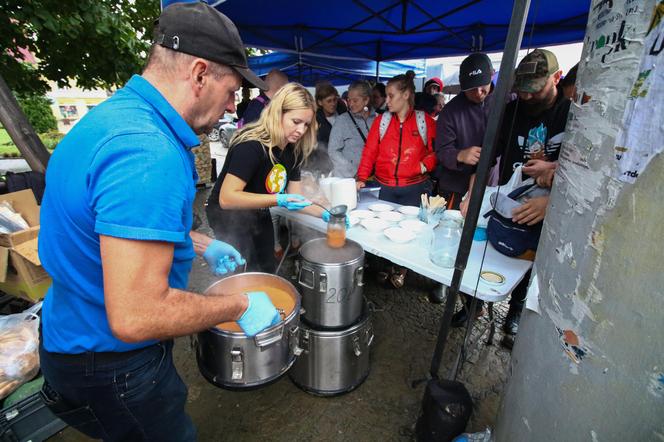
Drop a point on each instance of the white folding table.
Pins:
(415, 255)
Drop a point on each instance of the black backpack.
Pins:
(446, 409)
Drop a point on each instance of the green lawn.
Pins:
(7, 147)
(9, 150)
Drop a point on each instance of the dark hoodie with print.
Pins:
(527, 134)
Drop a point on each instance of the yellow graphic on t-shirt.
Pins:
(276, 179)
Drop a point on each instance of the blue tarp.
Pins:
(309, 69)
(399, 29)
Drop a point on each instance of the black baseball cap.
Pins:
(475, 71)
(200, 30)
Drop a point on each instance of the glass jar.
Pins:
(336, 231)
(445, 243)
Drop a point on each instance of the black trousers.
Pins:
(453, 199)
(250, 232)
(405, 195)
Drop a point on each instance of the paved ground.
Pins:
(384, 408)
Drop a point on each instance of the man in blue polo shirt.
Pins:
(116, 238)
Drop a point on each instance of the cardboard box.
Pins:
(21, 273)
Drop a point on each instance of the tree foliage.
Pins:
(252, 52)
(37, 109)
(97, 43)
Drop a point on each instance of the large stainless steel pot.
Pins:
(331, 281)
(232, 359)
(333, 362)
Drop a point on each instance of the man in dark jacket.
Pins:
(242, 105)
(459, 134)
(460, 128)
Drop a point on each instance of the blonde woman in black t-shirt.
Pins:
(262, 170)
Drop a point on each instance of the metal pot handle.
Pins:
(236, 272)
(370, 335)
(356, 346)
(294, 341)
(267, 338)
(359, 276)
(312, 274)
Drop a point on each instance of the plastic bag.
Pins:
(19, 349)
(484, 436)
(311, 189)
(515, 182)
(10, 220)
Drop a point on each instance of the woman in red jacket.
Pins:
(399, 155)
(399, 150)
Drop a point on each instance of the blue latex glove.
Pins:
(260, 314)
(292, 201)
(326, 217)
(222, 258)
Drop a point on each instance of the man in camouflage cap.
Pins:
(531, 136)
(536, 79)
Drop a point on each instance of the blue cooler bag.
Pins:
(506, 236)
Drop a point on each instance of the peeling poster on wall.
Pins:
(642, 133)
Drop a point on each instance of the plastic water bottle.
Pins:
(484, 436)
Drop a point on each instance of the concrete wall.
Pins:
(590, 365)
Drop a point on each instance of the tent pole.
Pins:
(299, 71)
(299, 60)
(512, 45)
(378, 57)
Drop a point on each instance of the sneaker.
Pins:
(511, 326)
(436, 295)
(507, 342)
(398, 277)
(459, 318)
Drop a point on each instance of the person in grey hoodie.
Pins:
(350, 130)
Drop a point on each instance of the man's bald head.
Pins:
(275, 79)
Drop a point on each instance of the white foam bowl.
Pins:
(391, 217)
(414, 225)
(380, 207)
(353, 220)
(374, 224)
(410, 211)
(362, 214)
(399, 235)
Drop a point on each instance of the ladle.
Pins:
(336, 211)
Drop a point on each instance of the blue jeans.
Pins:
(135, 396)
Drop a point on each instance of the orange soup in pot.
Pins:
(282, 300)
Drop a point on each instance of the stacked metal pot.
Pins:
(325, 338)
(231, 359)
(335, 332)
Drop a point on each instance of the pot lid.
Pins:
(318, 252)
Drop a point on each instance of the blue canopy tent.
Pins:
(382, 30)
(309, 69)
